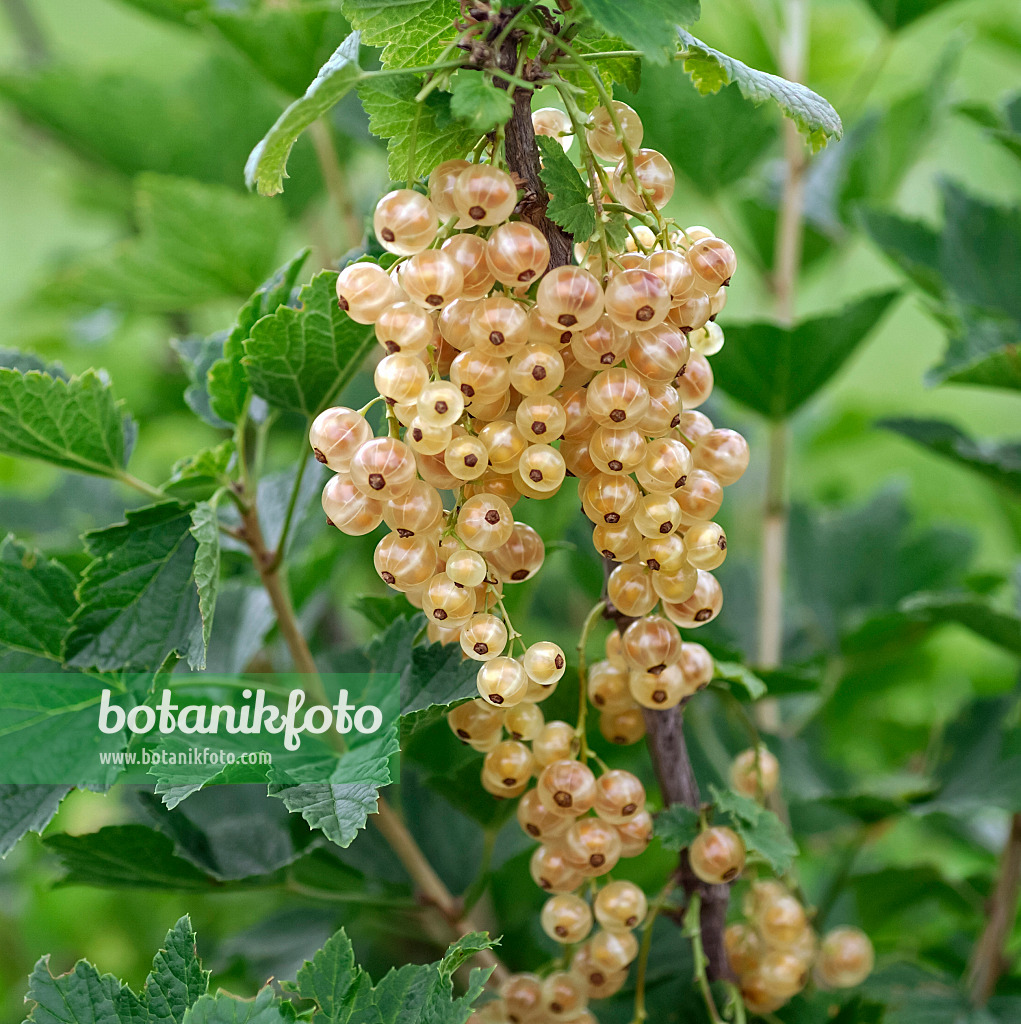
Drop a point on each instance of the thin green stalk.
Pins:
(693, 930)
(292, 504)
(590, 620)
(641, 1013)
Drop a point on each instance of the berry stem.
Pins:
(292, 504)
(693, 930)
(641, 1014)
(586, 629)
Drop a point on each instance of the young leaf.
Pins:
(775, 370)
(82, 996)
(762, 831)
(341, 805)
(676, 826)
(26, 809)
(36, 600)
(999, 461)
(267, 165)
(138, 601)
(411, 33)
(199, 476)
(197, 355)
(393, 112)
(710, 70)
(206, 532)
(569, 206)
(299, 359)
(196, 243)
(479, 103)
(75, 423)
(226, 380)
(648, 25)
(177, 979)
(735, 672)
(224, 1008)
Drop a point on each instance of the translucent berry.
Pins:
(540, 418)
(466, 567)
(617, 398)
(400, 377)
(432, 278)
(697, 665)
(543, 467)
(405, 222)
(613, 950)
(564, 996)
(524, 722)
(707, 340)
(845, 958)
(544, 662)
(521, 556)
(617, 450)
(427, 439)
(619, 796)
(657, 515)
(695, 382)
(566, 918)
(502, 681)
(510, 762)
(666, 555)
(636, 300)
(484, 195)
(483, 637)
(364, 291)
(744, 948)
(781, 922)
(485, 523)
(383, 468)
(349, 509)
(692, 313)
(567, 787)
(658, 354)
(674, 270)
(629, 590)
(705, 544)
(469, 251)
(557, 741)
(522, 997)
(600, 982)
(717, 855)
(617, 541)
(537, 821)
(478, 374)
(505, 443)
(724, 453)
(594, 845)
(466, 457)
(610, 498)
(783, 974)
(454, 320)
(651, 643)
(570, 297)
(499, 326)
(703, 606)
(405, 562)
(405, 327)
(620, 906)
(551, 870)
(517, 254)
(658, 690)
(636, 834)
(445, 601)
(603, 345)
(713, 262)
(336, 434)
(537, 369)
(655, 175)
(602, 134)
(475, 720)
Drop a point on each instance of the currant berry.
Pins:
(655, 178)
(601, 133)
(400, 377)
(537, 821)
(571, 297)
(405, 222)
(699, 497)
(383, 468)
(484, 195)
(466, 457)
(432, 278)
(697, 666)
(466, 567)
(703, 606)
(543, 467)
(440, 404)
(756, 995)
(453, 323)
(658, 691)
(405, 327)
(674, 270)
(524, 722)
(705, 544)
(540, 418)
(432, 470)
(783, 974)
(522, 997)
(557, 741)
(349, 509)
(404, 562)
(564, 996)
(554, 123)
(666, 555)
(336, 434)
(617, 398)
(477, 374)
(664, 410)
(658, 354)
(483, 637)
(657, 515)
(651, 643)
(610, 498)
(603, 345)
(619, 797)
(552, 871)
(692, 314)
(636, 834)
(692, 426)
(613, 951)
(617, 450)
(445, 601)
(441, 186)
(724, 453)
(469, 252)
(502, 681)
(620, 906)
(707, 340)
(544, 662)
(577, 459)
(364, 291)
(567, 787)
(542, 331)
(566, 918)
(511, 762)
(629, 590)
(537, 369)
(520, 557)
(426, 439)
(517, 253)
(695, 381)
(781, 922)
(475, 720)
(845, 958)
(485, 523)
(617, 541)
(499, 326)
(504, 442)
(744, 948)
(717, 855)
(713, 262)
(636, 300)
(607, 686)
(600, 982)
(594, 845)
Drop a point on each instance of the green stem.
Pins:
(641, 1014)
(124, 477)
(292, 504)
(590, 620)
(693, 930)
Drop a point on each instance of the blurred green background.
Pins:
(94, 93)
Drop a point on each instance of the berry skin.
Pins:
(484, 637)
(466, 567)
(603, 345)
(383, 468)
(619, 796)
(511, 762)
(505, 443)
(364, 291)
(537, 821)
(485, 523)
(554, 123)
(658, 354)
(594, 845)
(542, 467)
(469, 251)
(466, 458)
(630, 591)
(636, 300)
(695, 381)
(602, 135)
(651, 643)
(697, 665)
(566, 919)
(655, 175)
(744, 948)
(448, 603)
(845, 958)
(713, 262)
(400, 377)
(567, 787)
(405, 222)
(520, 557)
(570, 297)
(783, 974)
(524, 722)
(522, 997)
(537, 370)
(564, 996)
(552, 871)
(517, 254)
(607, 686)
(658, 515)
(502, 682)
(659, 691)
(499, 326)
(620, 906)
(440, 404)
(475, 720)
(349, 509)
(665, 555)
(484, 195)
(705, 545)
(636, 834)
(617, 398)
(717, 855)
(724, 453)
(544, 662)
(441, 186)
(613, 950)
(600, 982)
(404, 562)
(699, 497)
(432, 279)
(781, 922)
(617, 450)
(610, 498)
(674, 270)
(755, 772)
(557, 741)
(336, 434)
(703, 606)
(618, 542)
(540, 418)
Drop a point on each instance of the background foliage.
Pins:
(130, 243)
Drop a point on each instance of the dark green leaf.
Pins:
(478, 102)
(180, 12)
(196, 243)
(648, 25)
(267, 165)
(393, 112)
(411, 33)
(227, 382)
(82, 996)
(982, 351)
(972, 611)
(627, 71)
(762, 831)
(138, 598)
(75, 423)
(710, 70)
(206, 532)
(299, 359)
(177, 979)
(1002, 125)
(381, 611)
(912, 245)
(197, 355)
(676, 826)
(224, 1008)
(199, 476)
(775, 370)
(438, 675)
(36, 600)
(569, 203)
(896, 14)
(999, 461)
(26, 809)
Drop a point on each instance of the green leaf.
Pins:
(197, 355)
(710, 70)
(177, 979)
(437, 676)
(223, 1008)
(26, 809)
(478, 102)
(999, 461)
(226, 380)
(648, 25)
(569, 203)
(138, 601)
(1002, 125)
(775, 370)
(287, 45)
(676, 826)
(896, 14)
(912, 245)
(972, 611)
(390, 104)
(411, 33)
(196, 243)
(762, 831)
(735, 672)
(340, 806)
(82, 996)
(75, 423)
(267, 165)
(199, 476)
(328, 978)
(300, 359)
(206, 532)
(36, 600)
(981, 351)
(627, 71)
(381, 611)
(178, 11)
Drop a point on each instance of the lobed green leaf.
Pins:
(25, 809)
(647, 25)
(762, 831)
(411, 33)
(478, 102)
(676, 826)
(569, 204)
